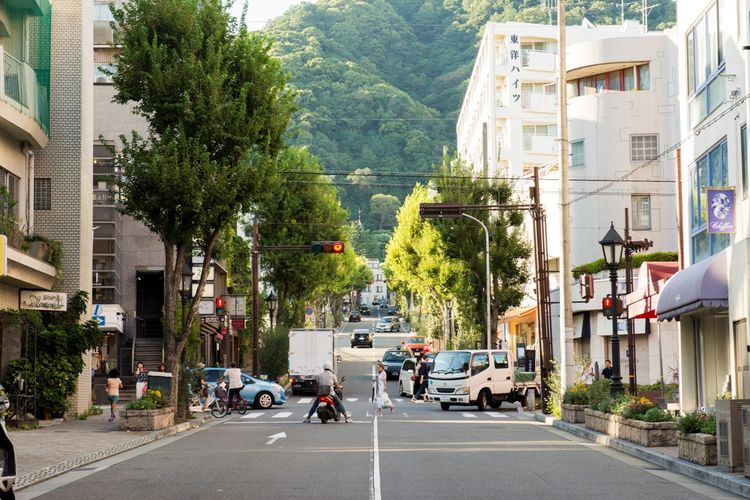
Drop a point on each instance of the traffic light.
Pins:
(327, 247)
(587, 286)
(221, 305)
(608, 302)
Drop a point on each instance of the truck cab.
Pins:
(474, 377)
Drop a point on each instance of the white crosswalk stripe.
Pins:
(305, 400)
(253, 415)
(283, 414)
(496, 414)
(468, 415)
(352, 400)
(398, 400)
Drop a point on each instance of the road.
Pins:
(418, 451)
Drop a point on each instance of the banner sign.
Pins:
(720, 203)
(43, 301)
(238, 323)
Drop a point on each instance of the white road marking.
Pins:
(468, 415)
(496, 414)
(283, 414)
(352, 400)
(398, 400)
(274, 437)
(253, 415)
(375, 484)
(304, 401)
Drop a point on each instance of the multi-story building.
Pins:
(377, 291)
(622, 114)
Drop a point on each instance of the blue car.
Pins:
(260, 393)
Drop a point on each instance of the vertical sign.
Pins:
(720, 202)
(514, 74)
(3, 255)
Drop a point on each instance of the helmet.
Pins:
(328, 366)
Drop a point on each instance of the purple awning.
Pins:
(701, 285)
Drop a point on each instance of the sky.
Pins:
(261, 11)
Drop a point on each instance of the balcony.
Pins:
(538, 61)
(539, 144)
(541, 103)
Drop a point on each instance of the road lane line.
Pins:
(495, 414)
(304, 401)
(468, 415)
(283, 414)
(375, 477)
(253, 415)
(352, 400)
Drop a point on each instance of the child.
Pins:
(114, 384)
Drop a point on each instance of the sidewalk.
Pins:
(60, 446)
(664, 457)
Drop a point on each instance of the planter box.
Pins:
(573, 413)
(697, 448)
(636, 431)
(146, 420)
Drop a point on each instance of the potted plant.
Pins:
(147, 414)
(696, 438)
(637, 420)
(575, 401)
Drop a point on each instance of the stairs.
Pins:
(149, 351)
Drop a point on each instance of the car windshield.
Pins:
(450, 362)
(386, 320)
(416, 340)
(213, 375)
(395, 356)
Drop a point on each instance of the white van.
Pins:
(479, 377)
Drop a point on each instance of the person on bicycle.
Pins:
(327, 385)
(235, 384)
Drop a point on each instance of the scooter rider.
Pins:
(327, 383)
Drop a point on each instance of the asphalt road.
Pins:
(418, 451)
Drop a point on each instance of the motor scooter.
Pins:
(7, 453)
(327, 407)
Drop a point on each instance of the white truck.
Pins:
(309, 348)
(480, 377)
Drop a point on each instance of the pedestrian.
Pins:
(588, 373)
(607, 372)
(114, 384)
(415, 377)
(161, 368)
(141, 380)
(383, 400)
(423, 375)
(203, 393)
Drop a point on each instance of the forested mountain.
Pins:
(381, 81)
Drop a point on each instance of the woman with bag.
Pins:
(382, 400)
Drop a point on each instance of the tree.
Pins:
(217, 106)
(383, 209)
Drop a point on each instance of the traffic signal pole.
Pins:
(255, 258)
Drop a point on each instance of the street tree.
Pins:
(217, 105)
(383, 209)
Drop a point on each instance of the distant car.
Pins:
(355, 316)
(405, 383)
(260, 393)
(392, 311)
(417, 345)
(388, 324)
(361, 337)
(376, 302)
(383, 305)
(393, 359)
(364, 310)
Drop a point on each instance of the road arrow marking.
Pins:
(468, 415)
(253, 415)
(274, 437)
(283, 414)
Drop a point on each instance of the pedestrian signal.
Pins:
(221, 305)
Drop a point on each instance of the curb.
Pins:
(45, 473)
(708, 475)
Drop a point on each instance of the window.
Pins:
(576, 153)
(644, 80)
(744, 159)
(711, 169)
(641, 207)
(10, 183)
(42, 194)
(501, 359)
(614, 81)
(480, 362)
(643, 147)
(378, 289)
(705, 61)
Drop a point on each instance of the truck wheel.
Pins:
(482, 401)
(445, 406)
(495, 404)
(531, 399)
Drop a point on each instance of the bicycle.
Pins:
(219, 409)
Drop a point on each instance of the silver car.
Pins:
(388, 324)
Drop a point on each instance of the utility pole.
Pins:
(566, 274)
(630, 322)
(255, 258)
(543, 308)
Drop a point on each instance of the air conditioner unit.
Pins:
(745, 412)
(729, 433)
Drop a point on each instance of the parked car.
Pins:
(355, 316)
(417, 345)
(260, 393)
(388, 324)
(361, 337)
(393, 359)
(392, 311)
(405, 383)
(364, 310)
(376, 302)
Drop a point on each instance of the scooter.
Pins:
(327, 407)
(7, 453)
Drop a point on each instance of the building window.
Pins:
(378, 289)
(622, 80)
(576, 153)
(644, 147)
(705, 62)
(641, 206)
(743, 155)
(10, 183)
(43, 194)
(711, 169)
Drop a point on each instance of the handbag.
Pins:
(414, 378)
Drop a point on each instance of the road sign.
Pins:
(210, 319)
(308, 311)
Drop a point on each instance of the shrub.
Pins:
(697, 422)
(554, 396)
(655, 414)
(577, 394)
(605, 405)
(599, 391)
(620, 404)
(151, 401)
(635, 408)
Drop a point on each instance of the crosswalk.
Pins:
(277, 415)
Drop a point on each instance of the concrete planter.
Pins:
(697, 448)
(146, 420)
(573, 413)
(636, 431)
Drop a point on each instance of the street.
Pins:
(418, 451)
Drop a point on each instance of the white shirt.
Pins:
(235, 378)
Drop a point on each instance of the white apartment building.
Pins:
(378, 289)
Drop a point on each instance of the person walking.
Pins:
(415, 377)
(423, 376)
(383, 400)
(141, 380)
(607, 372)
(114, 384)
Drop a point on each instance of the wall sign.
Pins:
(41, 300)
(720, 210)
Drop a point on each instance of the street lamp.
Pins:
(486, 272)
(186, 286)
(612, 246)
(272, 302)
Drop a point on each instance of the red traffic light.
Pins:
(327, 247)
(220, 306)
(609, 304)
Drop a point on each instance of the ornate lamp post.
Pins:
(612, 246)
(272, 302)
